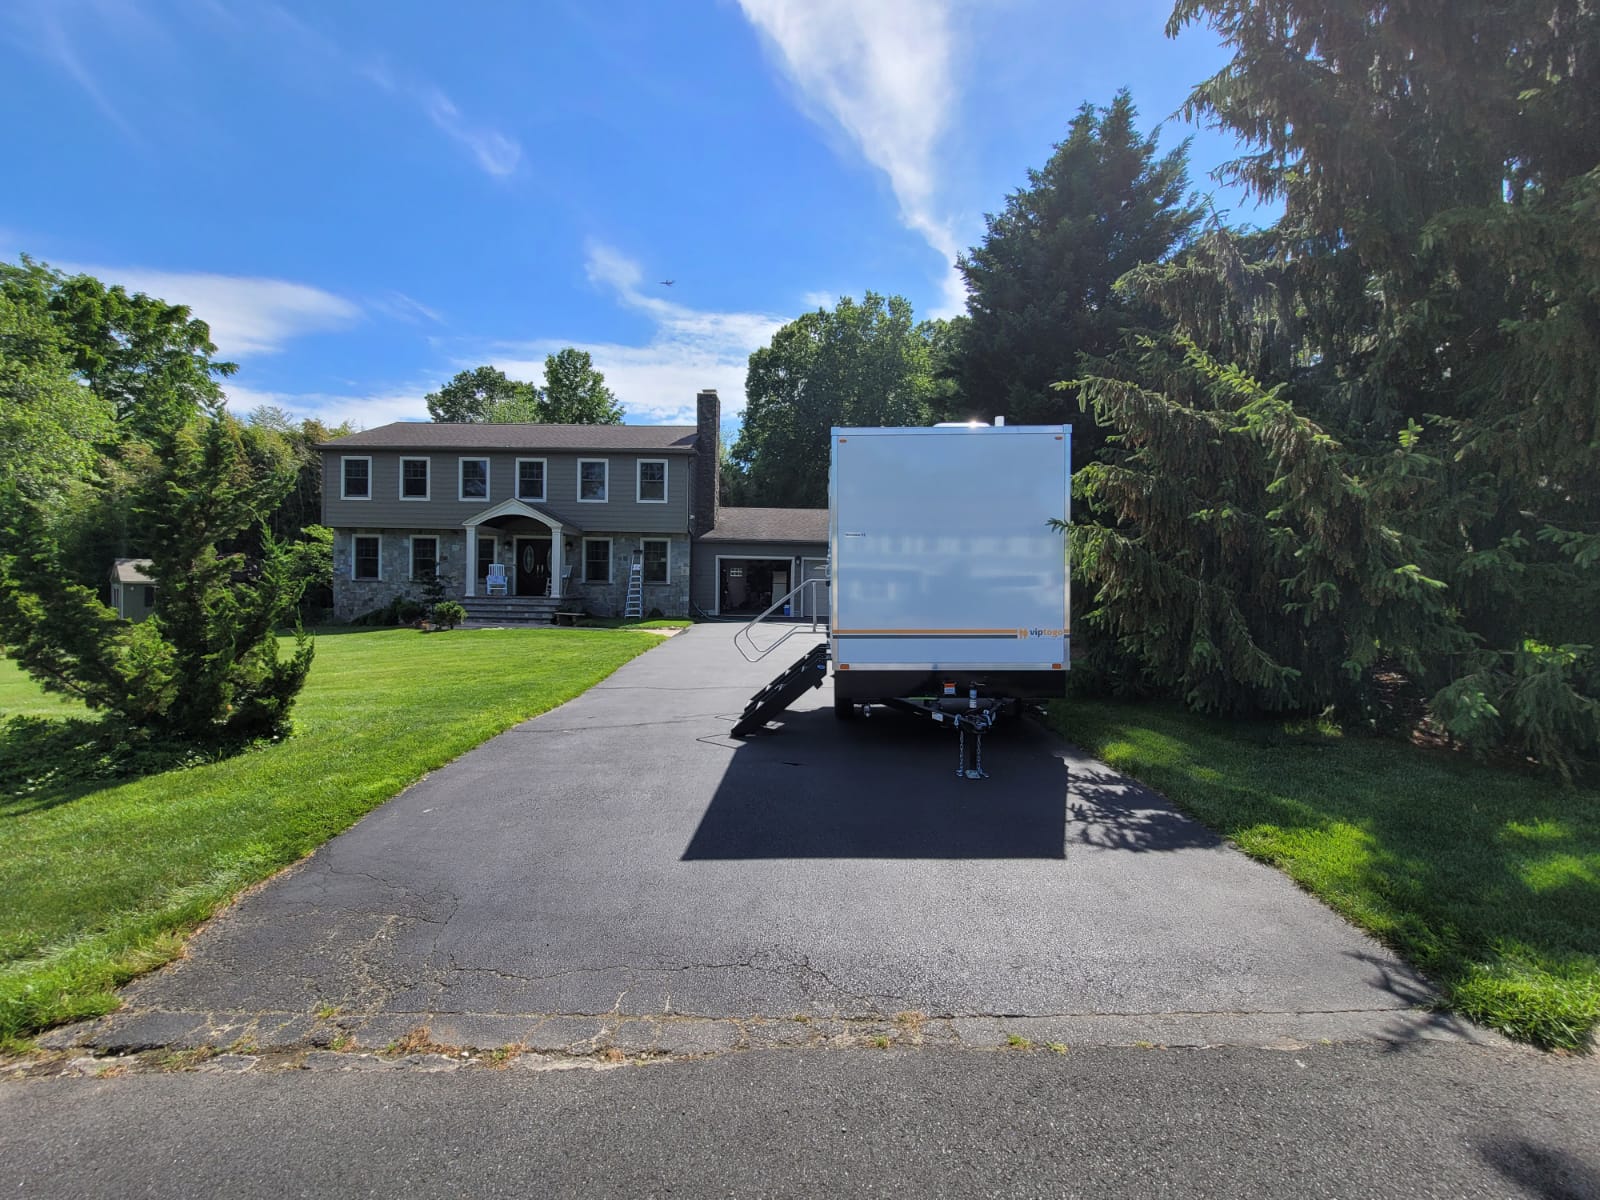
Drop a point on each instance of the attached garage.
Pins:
(754, 556)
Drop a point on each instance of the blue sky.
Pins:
(364, 198)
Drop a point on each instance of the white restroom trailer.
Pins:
(947, 572)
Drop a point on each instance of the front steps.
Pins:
(513, 610)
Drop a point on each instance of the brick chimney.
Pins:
(707, 484)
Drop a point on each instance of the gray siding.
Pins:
(703, 585)
(620, 513)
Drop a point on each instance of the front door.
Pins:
(533, 566)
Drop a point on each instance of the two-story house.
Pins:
(564, 510)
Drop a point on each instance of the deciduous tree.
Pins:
(867, 363)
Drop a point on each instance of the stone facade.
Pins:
(611, 599)
(354, 597)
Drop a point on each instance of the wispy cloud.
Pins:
(494, 151)
(883, 72)
(56, 31)
(40, 28)
(405, 308)
(248, 316)
(362, 409)
(689, 348)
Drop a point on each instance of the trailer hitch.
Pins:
(977, 716)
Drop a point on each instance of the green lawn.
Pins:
(99, 881)
(1487, 880)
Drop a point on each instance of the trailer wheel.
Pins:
(845, 710)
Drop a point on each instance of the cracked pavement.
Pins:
(621, 866)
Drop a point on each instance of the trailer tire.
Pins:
(845, 710)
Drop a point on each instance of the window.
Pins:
(149, 597)
(530, 479)
(485, 557)
(413, 479)
(365, 562)
(357, 479)
(655, 559)
(597, 560)
(652, 481)
(474, 479)
(424, 557)
(593, 475)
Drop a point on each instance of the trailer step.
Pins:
(783, 691)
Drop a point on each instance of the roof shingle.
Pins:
(438, 435)
(769, 525)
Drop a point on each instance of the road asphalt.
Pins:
(1359, 1121)
(811, 962)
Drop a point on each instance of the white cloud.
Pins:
(882, 72)
(40, 28)
(689, 349)
(405, 308)
(248, 316)
(494, 151)
(363, 410)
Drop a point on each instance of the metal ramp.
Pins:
(809, 672)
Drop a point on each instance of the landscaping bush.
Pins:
(449, 614)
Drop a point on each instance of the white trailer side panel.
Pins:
(942, 552)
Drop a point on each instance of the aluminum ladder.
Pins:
(635, 605)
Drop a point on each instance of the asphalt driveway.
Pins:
(620, 871)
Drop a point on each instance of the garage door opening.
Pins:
(748, 586)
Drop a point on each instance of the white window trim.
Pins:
(544, 480)
(411, 554)
(461, 478)
(400, 484)
(667, 542)
(611, 555)
(343, 479)
(606, 463)
(354, 557)
(638, 480)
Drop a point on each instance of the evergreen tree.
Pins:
(1041, 299)
(206, 666)
(1426, 305)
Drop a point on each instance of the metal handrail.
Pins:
(756, 653)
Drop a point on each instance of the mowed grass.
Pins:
(99, 881)
(1486, 879)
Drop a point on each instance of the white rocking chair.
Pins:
(495, 583)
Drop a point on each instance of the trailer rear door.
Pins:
(942, 552)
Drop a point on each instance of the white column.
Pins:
(556, 542)
(472, 561)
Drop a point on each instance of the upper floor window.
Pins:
(474, 479)
(652, 481)
(356, 479)
(413, 479)
(594, 474)
(530, 479)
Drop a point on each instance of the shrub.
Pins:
(449, 614)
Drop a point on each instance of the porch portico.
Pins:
(506, 517)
